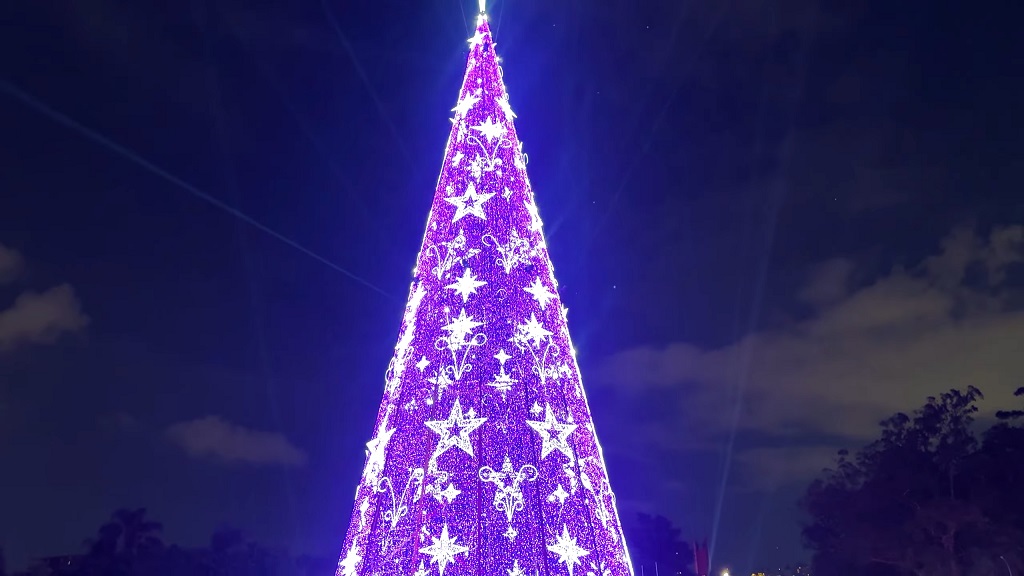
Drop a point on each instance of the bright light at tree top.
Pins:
(484, 458)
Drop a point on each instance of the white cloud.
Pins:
(36, 318)
(214, 437)
(866, 354)
(11, 264)
(829, 283)
(41, 318)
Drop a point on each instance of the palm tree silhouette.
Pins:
(122, 543)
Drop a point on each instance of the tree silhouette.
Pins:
(925, 498)
(126, 545)
(1012, 414)
(655, 546)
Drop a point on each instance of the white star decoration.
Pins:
(442, 551)
(449, 493)
(469, 203)
(467, 285)
(511, 533)
(363, 507)
(535, 222)
(559, 494)
(348, 565)
(465, 424)
(567, 550)
(488, 129)
(540, 293)
(423, 363)
(533, 330)
(516, 570)
(502, 381)
(460, 328)
(466, 104)
(477, 39)
(376, 451)
(554, 436)
(505, 107)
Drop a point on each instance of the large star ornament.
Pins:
(476, 40)
(488, 129)
(443, 550)
(466, 285)
(569, 553)
(460, 328)
(532, 330)
(469, 203)
(466, 104)
(540, 293)
(456, 420)
(553, 435)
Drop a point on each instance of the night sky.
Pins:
(773, 223)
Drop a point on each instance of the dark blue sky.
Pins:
(726, 188)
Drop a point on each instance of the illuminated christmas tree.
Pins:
(484, 459)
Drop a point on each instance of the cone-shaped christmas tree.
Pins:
(484, 460)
